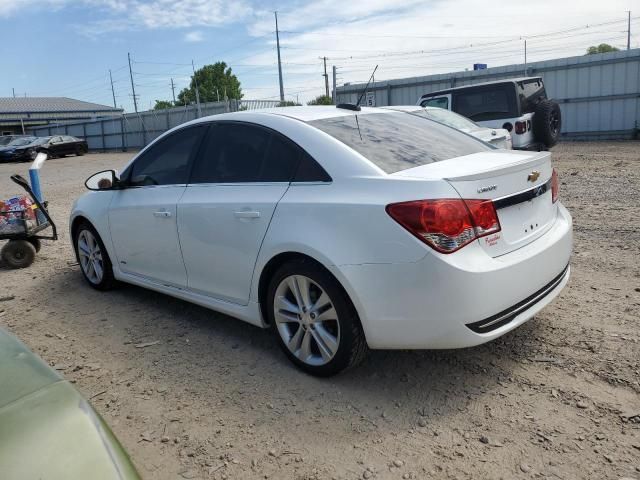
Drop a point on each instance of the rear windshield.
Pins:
(487, 103)
(397, 141)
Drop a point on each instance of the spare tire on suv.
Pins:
(547, 121)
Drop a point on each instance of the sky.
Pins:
(67, 47)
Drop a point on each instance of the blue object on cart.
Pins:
(34, 179)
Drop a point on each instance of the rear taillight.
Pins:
(521, 127)
(555, 186)
(446, 224)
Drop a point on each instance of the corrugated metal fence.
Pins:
(599, 95)
(134, 131)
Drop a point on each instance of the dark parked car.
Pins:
(61, 145)
(6, 139)
(20, 149)
(25, 149)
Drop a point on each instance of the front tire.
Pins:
(93, 258)
(314, 320)
(18, 253)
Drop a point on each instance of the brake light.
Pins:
(521, 127)
(555, 186)
(448, 224)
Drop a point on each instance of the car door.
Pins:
(241, 173)
(69, 145)
(54, 146)
(142, 216)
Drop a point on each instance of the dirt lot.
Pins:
(215, 398)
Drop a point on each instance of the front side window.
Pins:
(487, 103)
(397, 141)
(440, 102)
(245, 153)
(167, 161)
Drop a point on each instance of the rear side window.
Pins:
(440, 102)
(167, 161)
(487, 103)
(245, 153)
(397, 141)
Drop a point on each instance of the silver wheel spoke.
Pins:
(305, 347)
(295, 341)
(327, 343)
(322, 301)
(97, 268)
(284, 305)
(292, 282)
(329, 314)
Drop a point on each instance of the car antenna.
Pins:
(366, 86)
(356, 107)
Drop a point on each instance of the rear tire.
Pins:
(323, 336)
(93, 258)
(547, 122)
(18, 253)
(79, 151)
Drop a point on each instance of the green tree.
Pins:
(214, 81)
(321, 100)
(163, 104)
(602, 48)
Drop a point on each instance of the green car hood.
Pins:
(47, 429)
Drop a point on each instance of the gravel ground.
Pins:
(215, 398)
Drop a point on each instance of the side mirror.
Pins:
(105, 180)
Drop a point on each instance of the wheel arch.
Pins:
(280, 259)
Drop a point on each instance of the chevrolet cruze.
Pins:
(341, 229)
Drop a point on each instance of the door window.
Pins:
(167, 161)
(244, 153)
(440, 102)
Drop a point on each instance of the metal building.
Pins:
(19, 113)
(599, 95)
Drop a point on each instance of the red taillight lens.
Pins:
(555, 186)
(446, 224)
(521, 127)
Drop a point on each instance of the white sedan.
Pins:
(498, 137)
(341, 229)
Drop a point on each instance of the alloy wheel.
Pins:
(90, 256)
(306, 320)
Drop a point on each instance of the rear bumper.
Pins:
(447, 301)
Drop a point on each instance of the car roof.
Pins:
(303, 113)
(483, 84)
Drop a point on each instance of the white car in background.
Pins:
(498, 137)
(341, 229)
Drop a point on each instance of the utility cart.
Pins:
(24, 229)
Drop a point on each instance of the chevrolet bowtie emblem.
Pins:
(533, 176)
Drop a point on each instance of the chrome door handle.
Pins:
(162, 214)
(247, 214)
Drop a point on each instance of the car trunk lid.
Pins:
(518, 183)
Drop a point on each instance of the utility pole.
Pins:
(133, 88)
(525, 57)
(113, 92)
(14, 92)
(335, 93)
(326, 77)
(195, 80)
(628, 29)
(279, 63)
(173, 91)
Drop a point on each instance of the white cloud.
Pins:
(445, 35)
(194, 37)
